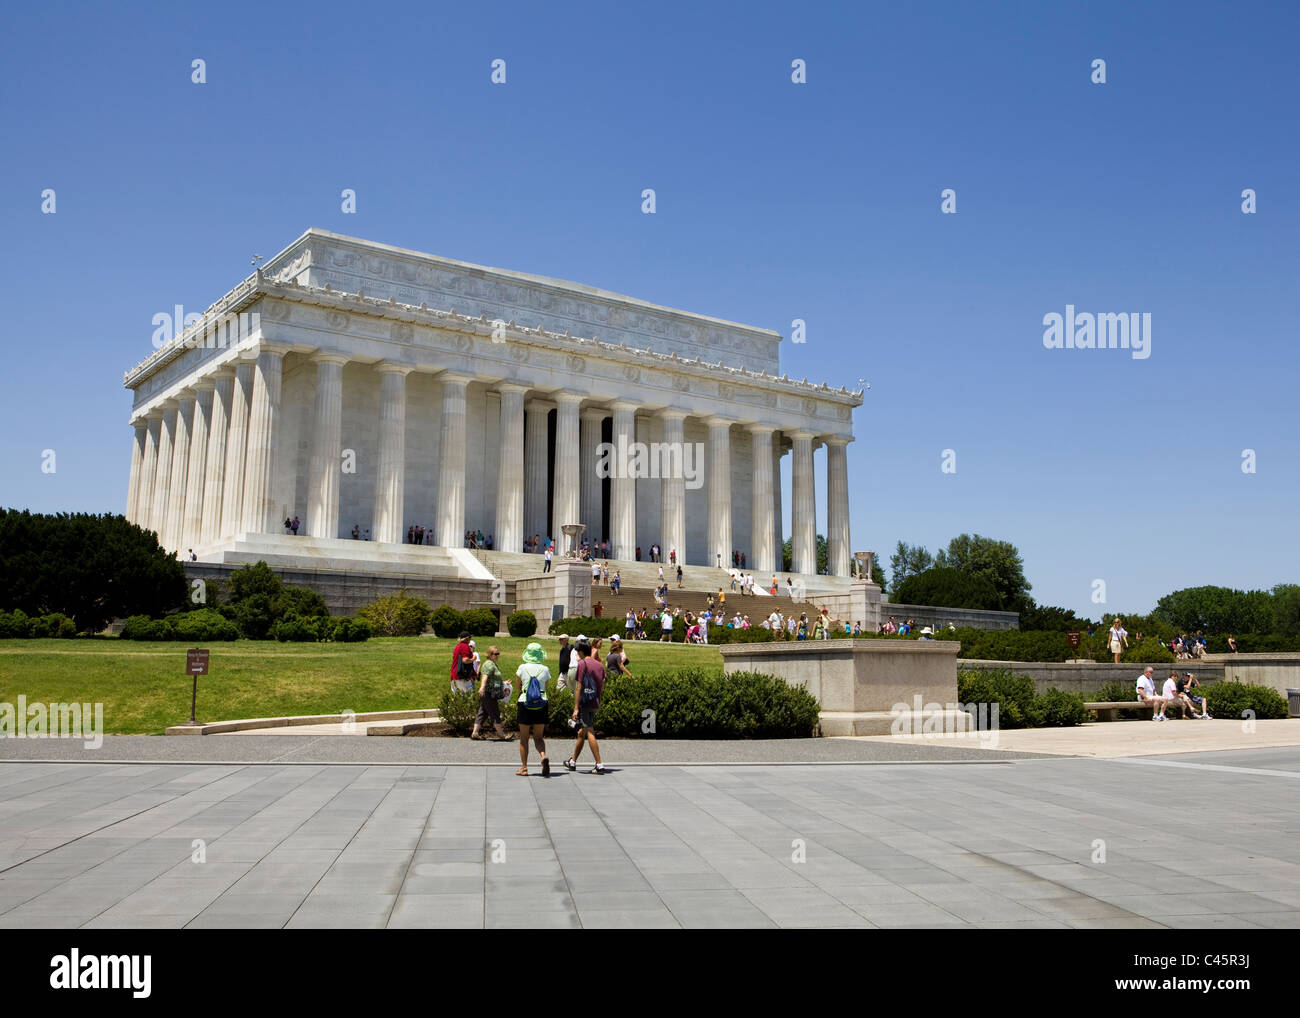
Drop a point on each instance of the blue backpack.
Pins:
(533, 694)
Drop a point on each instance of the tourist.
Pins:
(367, 537)
(591, 683)
(616, 662)
(857, 628)
(546, 567)
(296, 524)
(491, 691)
(356, 531)
(1117, 638)
(604, 573)
(774, 586)
(638, 553)
(1172, 694)
(533, 707)
(1232, 644)
(801, 630)
(1190, 683)
(789, 587)
(927, 634)
(566, 661)
(595, 573)
(1146, 693)
(742, 560)
(722, 598)
(629, 623)
(666, 626)
(288, 525)
(616, 582)
(661, 574)
(193, 557)
(679, 577)
(672, 557)
(463, 674)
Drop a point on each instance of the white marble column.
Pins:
(591, 484)
(241, 401)
(778, 507)
(451, 470)
(148, 471)
(720, 543)
(390, 474)
(803, 546)
(837, 506)
(565, 507)
(761, 557)
(162, 484)
(260, 513)
(537, 461)
(326, 448)
(141, 428)
(214, 488)
(180, 470)
(510, 470)
(622, 485)
(673, 513)
(195, 492)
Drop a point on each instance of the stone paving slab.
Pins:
(292, 845)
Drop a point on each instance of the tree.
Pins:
(1047, 618)
(93, 568)
(945, 587)
(1286, 609)
(1217, 610)
(907, 560)
(998, 562)
(823, 555)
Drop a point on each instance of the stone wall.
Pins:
(345, 592)
(1086, 677)
(940, 617)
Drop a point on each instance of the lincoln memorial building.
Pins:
(364, 387)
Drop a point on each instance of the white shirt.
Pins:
(1171, 689)
(1118, 634)
(1145, 685)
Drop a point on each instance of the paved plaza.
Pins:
(877, 839)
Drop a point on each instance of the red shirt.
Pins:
(462, 651)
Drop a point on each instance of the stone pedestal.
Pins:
(865, 687)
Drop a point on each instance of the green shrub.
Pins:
(296, 629)
(299, 601)
(588, 626)
(521, 623)
(45, 627)
(447, 622)
(345, 630)
(141, 627)
(400, 614)
(1231, 699)
(1148, 651)
(1011, 691)
(1058, 709)
(948, 588)
(479, 622)
(203, 625)
(15, 625)
(1114, 691)
(686, 704)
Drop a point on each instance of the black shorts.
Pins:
(586, 718)
(535, 716)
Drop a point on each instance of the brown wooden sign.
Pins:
(196, 662)
(1073, 637)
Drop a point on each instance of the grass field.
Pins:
(143, 686)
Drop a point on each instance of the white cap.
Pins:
(471, 643)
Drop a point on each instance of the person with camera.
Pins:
(591, 683)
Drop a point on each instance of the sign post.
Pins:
(196, 664)
(1073, 637)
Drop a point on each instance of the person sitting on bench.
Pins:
(1146, 693)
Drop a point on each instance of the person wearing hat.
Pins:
(616, 662)
(927, 634)
(464, 667)
(489, 709)
(533, 678)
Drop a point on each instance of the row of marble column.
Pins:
(202, 469)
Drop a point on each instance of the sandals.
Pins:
(522, 772)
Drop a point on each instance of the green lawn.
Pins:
(143, 686)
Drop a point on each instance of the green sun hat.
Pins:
(534, 654)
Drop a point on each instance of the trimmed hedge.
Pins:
(446, 622)
(1018, 704)
(479, 622)
(203, 625)
(18, 625)
(685, 704)
(1232, 699)
(521, 623)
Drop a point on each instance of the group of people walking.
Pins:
(584, 677)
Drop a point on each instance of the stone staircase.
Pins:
(757, 607)
(344, 555)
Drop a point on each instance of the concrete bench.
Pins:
(1109, 710)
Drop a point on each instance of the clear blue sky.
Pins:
(776, 201)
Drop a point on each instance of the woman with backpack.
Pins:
(533, 708)
(463, 673)
(491, 690)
